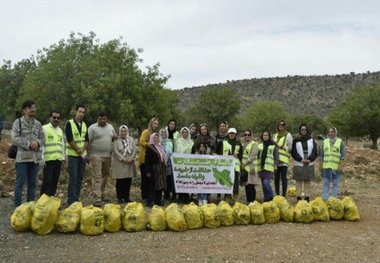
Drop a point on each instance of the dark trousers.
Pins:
(123, 188)
(281, 175)
(170, 188)
(250, 192)
(52, 170)
(144, 182)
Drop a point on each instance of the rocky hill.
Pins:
(299, 94)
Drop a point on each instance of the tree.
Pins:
(104, 77)
(359, 113)
(215, 104)
(264, 115)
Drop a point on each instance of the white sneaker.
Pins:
(200, 203)
(205, 202)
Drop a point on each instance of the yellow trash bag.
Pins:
(303, 213)
(22, 216)
(156, 219)
(193, 216)
(211, 217)
(68, 220)
(242, 214)
(257, 213)
(226, 214)
(351, 211)
(175, 218)
(91, 221)
(134, 217)
(286, 210)
(271, 212)
(320, 210)
(112, 217)
(336, 208)
(292, 191)
(45, 214)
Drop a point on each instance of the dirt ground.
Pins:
(334, 241)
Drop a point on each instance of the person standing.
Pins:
(202, 197)
(28, 136)
(171, 128)
(100, 135)
(143, 143)
(232, 146)
(304, 153)
(193, 131)
(284, 142)
(205, 137)
(250, 150)
(266, 164)
(124, 169)
(168, 147)
(155, 170)
(54, 154)
(221, 134)
(331, 162)
(76, 150)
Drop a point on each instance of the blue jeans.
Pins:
(76, 167)
(25, 172)
(267, 189)
(330, 176)
(281, 174)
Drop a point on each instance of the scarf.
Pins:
(265, 152)
(184, 145)
(158, 147)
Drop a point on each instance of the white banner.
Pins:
(209, 174)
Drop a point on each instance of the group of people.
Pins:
(100, 146)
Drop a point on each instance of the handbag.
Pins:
(12, 151)
(243, 176)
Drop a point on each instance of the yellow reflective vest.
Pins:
(246, 153)
(283, 154)
(226, 151)
(53, 143)
(79, 138)
(269, 160)
(331, 157)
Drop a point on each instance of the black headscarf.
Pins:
(265, 148)
(171, 132)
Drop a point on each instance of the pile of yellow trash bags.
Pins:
(44, 216)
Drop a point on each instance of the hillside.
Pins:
(299, 94)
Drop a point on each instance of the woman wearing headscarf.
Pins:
(222, 133)
(143, 143)
(205, 137)
(183, 144)
(331, 162)
(267, 160)
(124, 169)
(155, 164)
(168, 147)
(304, 153)
(171, 128)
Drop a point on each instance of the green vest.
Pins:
(283, 154)
(53, 144)
(331, 157)
(269, 160)
(226, 151)
(176, 135)
(79, 139)
(246, 153)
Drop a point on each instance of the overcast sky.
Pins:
(199, 42)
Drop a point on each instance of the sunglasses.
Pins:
(247, 134)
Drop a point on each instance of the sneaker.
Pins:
(205, 202)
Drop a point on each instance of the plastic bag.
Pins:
(303, 213)
(134, 217)
(242, 214)
(45, 214)
(22, 216)
(92, 221)
(292, 191)
(271, 212)
(211, 216)
(257, 213)
(336, 208)
(286, 210)
(193, 216)
(226, 214)
(112, 217)
(320, 210)
(174, 218)
(156, 219)
(68, 220)
(351, 211)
